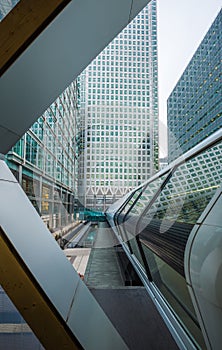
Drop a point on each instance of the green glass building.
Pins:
(45, 161)
(194, 108)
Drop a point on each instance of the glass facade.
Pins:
(45, 163)
(194, 107)
(119, 108)
(45, 160)
(157, 220)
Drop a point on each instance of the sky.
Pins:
(182, 24)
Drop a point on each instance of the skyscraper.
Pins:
(119, 108)
(194, 108)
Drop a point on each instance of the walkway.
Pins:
(130, 309)
(103, 270)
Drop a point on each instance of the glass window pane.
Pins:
(132, 217)
(167, 223)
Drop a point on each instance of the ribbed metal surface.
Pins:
(170, 245)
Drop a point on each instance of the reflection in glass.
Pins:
(165, 227)
(132, 216)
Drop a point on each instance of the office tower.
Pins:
(194, 107)
(44, 160)
(163, 162)
(119, 109)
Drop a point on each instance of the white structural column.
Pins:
(41, 281)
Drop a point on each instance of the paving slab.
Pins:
(136, 318)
